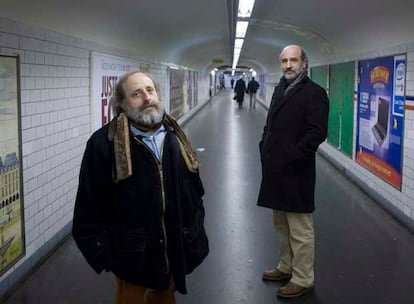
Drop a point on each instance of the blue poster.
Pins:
(380, 116)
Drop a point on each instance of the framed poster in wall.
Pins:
(380, 116)
(177, 92)
(12, 242)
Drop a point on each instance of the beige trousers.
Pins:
(297, 245)
(127, 293)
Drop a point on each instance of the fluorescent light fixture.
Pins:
(244, 11)
(238, 43)
(245, 8)
(241, 28)
(235, 60)
(236, 52)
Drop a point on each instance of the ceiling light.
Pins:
(238, 43)
(245, 8)
(241, 28)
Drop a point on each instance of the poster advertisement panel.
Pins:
(380, 116)
(195, 86)
(105, 72)
(177, 92)
(12, 241)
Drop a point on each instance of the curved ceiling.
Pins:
(194, 33)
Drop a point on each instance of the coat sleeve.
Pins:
(88, 228)
(316, 123)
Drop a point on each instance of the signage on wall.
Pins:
(105, 72)
(380, 116)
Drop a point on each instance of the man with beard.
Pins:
(296, 125)
(139, 210)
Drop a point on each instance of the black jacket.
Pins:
(252, 86)
(296, 125)
(240, 89)
(146, 227)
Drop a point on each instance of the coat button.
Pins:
(99, 244)
(161, 241)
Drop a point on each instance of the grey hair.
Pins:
(304, 56)
(119, 95)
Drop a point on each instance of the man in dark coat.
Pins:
(252, 88)
(139, 210)
(296, 125)
(240, 89)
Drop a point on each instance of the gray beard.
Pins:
(148, 120)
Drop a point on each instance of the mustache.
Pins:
(153, 104)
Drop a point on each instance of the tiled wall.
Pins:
(54, 82)
(55, 119)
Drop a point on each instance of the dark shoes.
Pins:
(292, 290)
(276, 275)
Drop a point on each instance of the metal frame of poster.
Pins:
(105, 72)
(380, 117)
(12, 238)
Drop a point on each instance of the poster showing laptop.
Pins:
(380, 128)
(380, 116)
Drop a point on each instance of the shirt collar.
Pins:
(138, 132)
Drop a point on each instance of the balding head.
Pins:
(297, 48)
(293, 61)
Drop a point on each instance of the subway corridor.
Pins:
(363, 255)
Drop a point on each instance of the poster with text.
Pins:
(380, 116)
(12, 243)
(105, 72)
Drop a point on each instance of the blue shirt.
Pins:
(152, 139)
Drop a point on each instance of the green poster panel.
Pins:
(320, 75)
(341, 97)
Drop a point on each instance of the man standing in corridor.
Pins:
(252, 88)
(139, 211)
(296, 125)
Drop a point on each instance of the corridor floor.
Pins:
(363, 256)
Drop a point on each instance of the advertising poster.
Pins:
(105, 72)
(195, 86)
(12, 246)
(187, 91)
(380, 116)
(262, 86)
(177, 92)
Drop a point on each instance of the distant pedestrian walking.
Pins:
(252, 88)
(232, 83)
(240, 89)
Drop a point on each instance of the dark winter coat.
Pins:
(240, 89)
(252, 86)
(125, 227)
(296, 125)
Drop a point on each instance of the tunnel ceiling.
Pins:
(196, 33)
